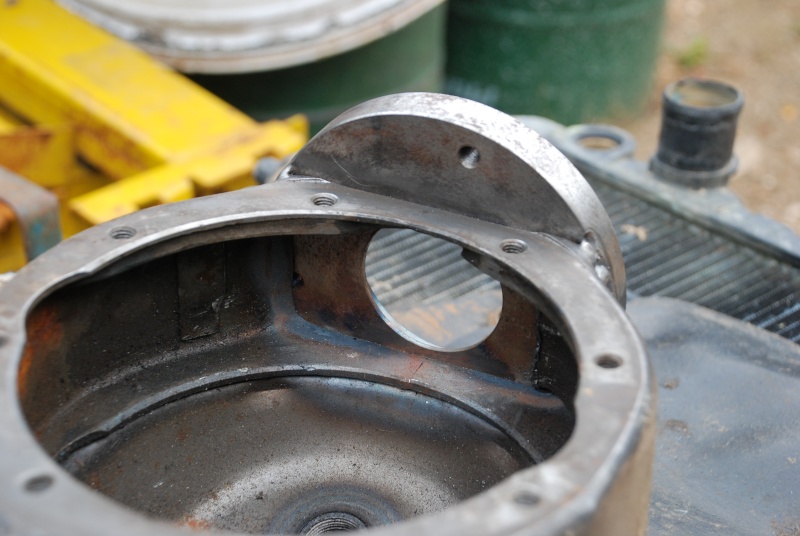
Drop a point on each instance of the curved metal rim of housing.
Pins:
(406, 146)
(614, 406)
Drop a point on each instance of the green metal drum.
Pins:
(274, 58)
(570, 60)
(411, 59)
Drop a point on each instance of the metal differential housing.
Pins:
(223, 364)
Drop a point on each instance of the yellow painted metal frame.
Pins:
(79, 109)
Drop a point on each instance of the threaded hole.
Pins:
(469, 156)
(608, 361)
(122, 233)
(38, 484)
(324, 200)
(333, 522)
(513, 246)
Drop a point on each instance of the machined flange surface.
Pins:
(408, 146)
(223, 327)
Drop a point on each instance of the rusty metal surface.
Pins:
(43, 154)
(544, 428)
(149, 358)
(35, 210)
(333, 444)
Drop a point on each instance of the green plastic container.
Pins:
(570, 60)
(411, 59)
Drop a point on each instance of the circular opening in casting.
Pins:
(428, 293)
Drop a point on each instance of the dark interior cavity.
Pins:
(253, 386)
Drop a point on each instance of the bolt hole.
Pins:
(122, 233)
(513, 246)
(526, 498)
(38, 484)
(469, 156)
(324, 200)
(333, 522)
(608, 361)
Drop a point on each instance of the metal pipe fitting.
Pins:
(698, 129)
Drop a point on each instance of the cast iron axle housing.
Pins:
(223, 364)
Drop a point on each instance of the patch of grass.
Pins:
(694, 55)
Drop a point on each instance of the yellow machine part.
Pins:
(80, 109)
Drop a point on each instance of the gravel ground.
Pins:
(755, 46)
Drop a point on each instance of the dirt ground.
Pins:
(755, 46)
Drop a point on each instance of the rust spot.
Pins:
(335, 294)
(109, 151)
(410, 367)
(236, 139)
(23, 147)
(24, 372)
(182, 435)
(787, 528)
(45, 333)
(96, 482)
(671, 383)
(7, 217)
(678, 426)
(195, 524)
